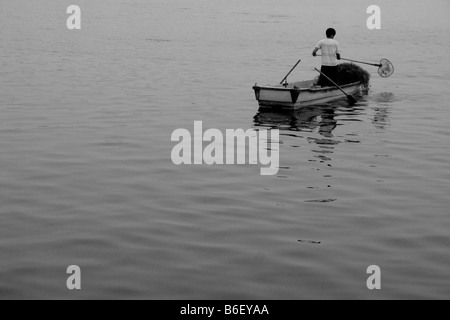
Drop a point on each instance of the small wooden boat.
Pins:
(302, 94)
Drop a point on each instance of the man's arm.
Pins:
(338, 54)
(315, 51)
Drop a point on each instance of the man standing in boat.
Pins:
(330, 55)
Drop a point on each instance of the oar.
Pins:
(350, 99)
(290, 71)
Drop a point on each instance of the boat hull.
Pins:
(302, 94)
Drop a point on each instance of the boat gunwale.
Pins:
(312, 89)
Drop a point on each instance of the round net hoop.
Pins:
(386, 68)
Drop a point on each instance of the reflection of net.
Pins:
(386, 68)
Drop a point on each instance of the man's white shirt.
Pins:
(329, 48)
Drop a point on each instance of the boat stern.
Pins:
(278, 95)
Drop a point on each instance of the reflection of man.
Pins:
(328, 123)
(330, 54)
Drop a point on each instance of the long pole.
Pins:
(290, 71)
(370, 64)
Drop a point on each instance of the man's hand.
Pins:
(338, 55)
(314, 54)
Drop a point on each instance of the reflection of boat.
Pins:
(306, 119)
(301, 94)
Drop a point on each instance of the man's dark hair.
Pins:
(331, 32)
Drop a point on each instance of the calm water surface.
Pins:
(86, 176)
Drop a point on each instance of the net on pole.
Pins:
(386, 68)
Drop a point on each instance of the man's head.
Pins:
(331, 33)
